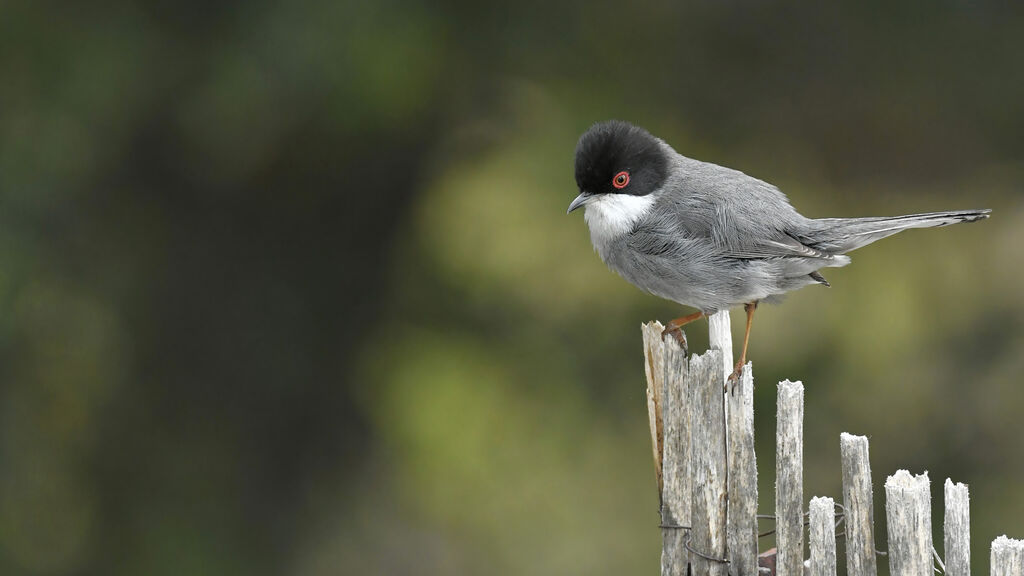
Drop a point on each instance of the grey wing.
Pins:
(785, 245)
(743, 217)
(736, 236)
(696, 272)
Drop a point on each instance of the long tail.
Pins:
(842, 235)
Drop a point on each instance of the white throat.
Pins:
(612, 215)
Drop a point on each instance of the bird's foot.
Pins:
(734, 379)
(675, 328)
(679, 335)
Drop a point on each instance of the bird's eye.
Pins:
(620, 180)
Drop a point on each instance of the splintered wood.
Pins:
(823, 537)
(654, 366)
(667, 402)
(686, 407)
(1007, 557)
(789, 479)
(742, 539)
(709, 464)
(908, 512)
(702, 439)
(859, 509)
(957, 528)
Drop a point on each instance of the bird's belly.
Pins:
(699, 282)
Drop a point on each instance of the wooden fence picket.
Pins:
(823, 537)
(957, 529)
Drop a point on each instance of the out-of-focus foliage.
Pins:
(289, 287)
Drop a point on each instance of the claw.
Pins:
(734, 379)
(680, 337)
(675, 328)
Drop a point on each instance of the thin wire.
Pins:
(805, 524)
(805, 514)
(704, 556)
(689, 536)
(942, 567)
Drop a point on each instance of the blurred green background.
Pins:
(289, 288)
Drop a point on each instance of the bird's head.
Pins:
(614, 158)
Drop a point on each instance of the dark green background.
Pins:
(288, 287)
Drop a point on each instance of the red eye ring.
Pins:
(621, 180)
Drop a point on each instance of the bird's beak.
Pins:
(580, 200)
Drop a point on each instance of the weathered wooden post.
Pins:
(742, 539)
(908, 512)
(668, 407)
(720, 337)
(823, 537)
(687, 412)
(858, 506)
(709, 464)
(789, 483)
(957, 529)
(1007, 557)
(654, 368)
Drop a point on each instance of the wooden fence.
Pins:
(702, 433)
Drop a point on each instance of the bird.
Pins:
(706, 236)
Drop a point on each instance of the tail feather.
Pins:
(841, 235)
